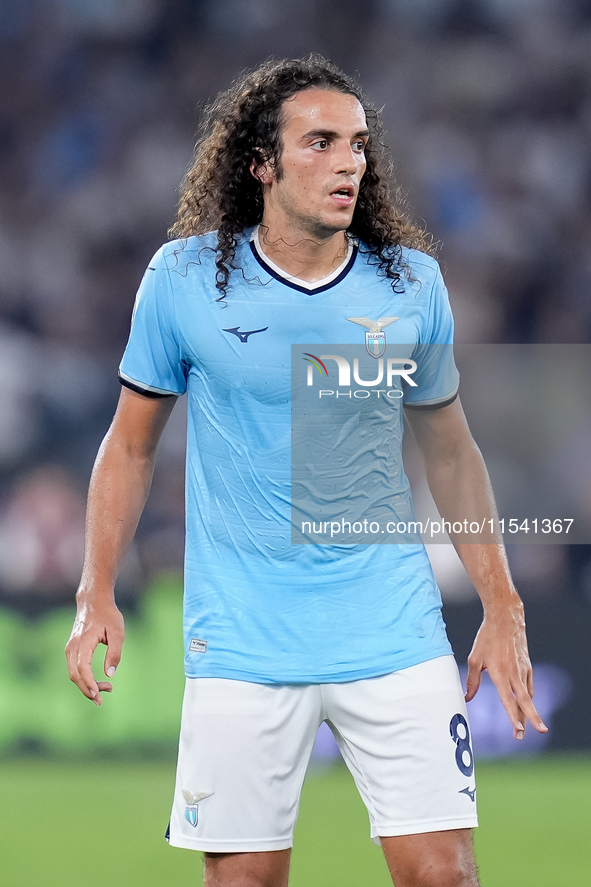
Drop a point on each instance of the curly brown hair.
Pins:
(244, 124)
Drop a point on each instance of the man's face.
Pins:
(314, 188)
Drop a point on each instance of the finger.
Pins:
(502, 682)
(113, 655)
(526, 705)
(72, 658)
(530, 682)
(519, 734)
(105, 687)
(86, 675)
(473, 679)
(519, 707)
(90, 693)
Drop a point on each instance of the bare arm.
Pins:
(119, 486)
(461, 488)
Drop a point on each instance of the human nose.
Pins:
(346, 160)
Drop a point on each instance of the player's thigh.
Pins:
(243, 753)
(265, 869)
(432, 859)
(406, 740)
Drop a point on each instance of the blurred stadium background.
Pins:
(487, 105)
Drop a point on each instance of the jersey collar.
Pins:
(297, 283)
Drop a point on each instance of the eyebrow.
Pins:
(331, 134)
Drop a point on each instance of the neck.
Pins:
(308, 256)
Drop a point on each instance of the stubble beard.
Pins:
(317, 228)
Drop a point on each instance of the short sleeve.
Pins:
(436, 377)
(153, 362)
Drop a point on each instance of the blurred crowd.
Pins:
(487, 105)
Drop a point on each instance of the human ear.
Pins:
(262, 169)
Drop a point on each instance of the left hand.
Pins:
(500, 647)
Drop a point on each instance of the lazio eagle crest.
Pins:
(192, 808)
(375, 338)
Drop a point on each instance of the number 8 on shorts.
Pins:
(460, 733)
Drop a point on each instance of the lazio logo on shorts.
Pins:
(375, 338)
(192, 808)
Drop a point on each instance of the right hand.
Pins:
(94, 624)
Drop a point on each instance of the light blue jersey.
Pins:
(258, 607)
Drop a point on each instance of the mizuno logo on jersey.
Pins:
(375, 338)
(471, 792)
(243, 336)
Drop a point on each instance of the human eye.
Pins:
(320, 144)
(359, 145)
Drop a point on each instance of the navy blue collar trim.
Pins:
(296, 286)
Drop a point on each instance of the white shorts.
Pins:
(244, 749)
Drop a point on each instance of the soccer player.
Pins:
(288, 234)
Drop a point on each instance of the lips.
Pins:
(343, 191)
(344, 195)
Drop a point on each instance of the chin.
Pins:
(335, 226)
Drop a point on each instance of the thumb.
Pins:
(473, 680)
(113, 656)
